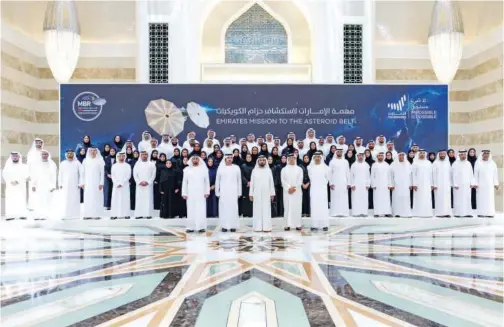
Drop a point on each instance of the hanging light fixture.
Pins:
(62, 38)
(446, 39)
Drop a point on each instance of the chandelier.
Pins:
(446, 39)
(62, 38)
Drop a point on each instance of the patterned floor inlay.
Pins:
(108, 274)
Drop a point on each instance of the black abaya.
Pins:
(132, 185)
(305, 211)
(169, 182)
(246, 170)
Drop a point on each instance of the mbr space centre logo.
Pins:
(399, 105)
(88, 106)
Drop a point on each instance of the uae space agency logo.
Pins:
(397, 110)
(88, 106)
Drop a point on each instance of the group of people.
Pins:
(261, 178)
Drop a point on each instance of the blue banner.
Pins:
(404, 113)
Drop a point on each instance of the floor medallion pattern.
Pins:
(446, 273)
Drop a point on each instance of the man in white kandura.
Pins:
(15, 175)
(361, 182)
(32, 158)
(70, 180)
(310, 137)
(121, 174)
(342, 143)
(228, 188)
(441, 180)
(145, 143)
(381, 144)
(144, 174)
(380, 182)
(292, 180)
(93, 176)
(211, 136)
(391, 149)
(166, 146)
(319, 179)
(269, 141)
(486, 180)
(400, 180)
(195, 190)
(262, 191)
(462, 182)
(421, 176)
(339, 171)
(358, 145)
(43, 185)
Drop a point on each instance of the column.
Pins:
(368, 56)
(142, 35)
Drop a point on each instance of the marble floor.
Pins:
(362, 272)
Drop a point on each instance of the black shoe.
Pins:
(189, 231)
(287, 229)
(10, 218)
(468, 216)
(480, 216)
(149, 217)
(233, 230)
(127, 217)
(139, 217)
(325, 229)
(313, 229)
(201, 231)
(224, 230)
(97, 218)
(376, 216)
(299, 228)
(388, 216)
(397, 216)
(23, 218)
(489, 216)
(87, 218)
(113, 218)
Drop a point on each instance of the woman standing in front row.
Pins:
(169, 187)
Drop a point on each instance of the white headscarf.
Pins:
(201, 162)
(480, 157)
(312, 162)
(257, 162)
(98, 156)
(33, 148)
(125, 146)
(9, 161)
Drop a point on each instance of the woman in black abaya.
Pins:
(246, 170)
(169, 186)
(472, 157)
(160, 164)
(306, 187)
(370, 161)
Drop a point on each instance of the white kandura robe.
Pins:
(228, 188)
(319, 178)
(262, 188)
(120, 204)
(195, 185)
(340, 178)
(144, 171)
(421, 176)
(93, 176)
(361, 180)
(70, 178)
(292, 176)
(462, 178)
(44, 180)
(486, 178)
(167, 149)
(15, 195)
(380, 181)
(441, 178)
(400, 179)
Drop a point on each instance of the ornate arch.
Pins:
(256, 37)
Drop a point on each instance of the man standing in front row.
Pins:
(292, 180)
(319, 179)
(70, 181)
(380, 182)
(462, 182)
(15, 175)
(400, 180)
(486, 180)
(93, 176)
(361, 182)
(44, 184)
(262, 191)
(421, 176)
(195, 190)
(121, 175)
(144, 174)
(228, 189)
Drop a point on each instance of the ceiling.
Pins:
(114, 21)
(408, 21)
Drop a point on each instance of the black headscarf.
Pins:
(106, 153)
(254, 156)
(350, 160)
(281, 164)
(264, 150)
(410, 160)
(152, 155)
(80, 156)
(167, 173)
(391, 160)
(160, 163)
(129, 155)
(452, 159)
(312, 151)
(289, 148)
(472, 159)
(237, 160)
(369, 159)
(305, 164)
(118, 145)
(243, 154)
(276, 157)
(429, 157)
